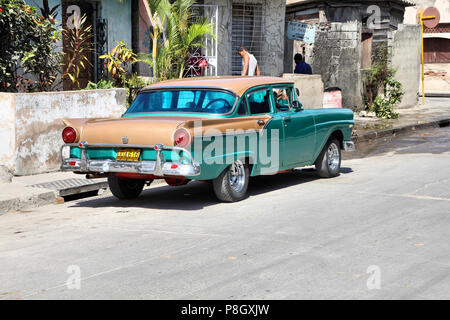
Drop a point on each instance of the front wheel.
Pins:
(125, 188)
(328, 164)
(232, 184)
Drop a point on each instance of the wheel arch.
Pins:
(336, 133)
(339, 136)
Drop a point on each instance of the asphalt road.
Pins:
(295, 237)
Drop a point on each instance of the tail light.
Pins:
(181, 138)
(69, 135)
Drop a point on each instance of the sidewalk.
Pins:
(420, 117)
(437, 79)
(29, 192)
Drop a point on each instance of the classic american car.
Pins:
(221, 130)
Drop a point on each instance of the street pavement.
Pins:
(378, 231)
(436, 101)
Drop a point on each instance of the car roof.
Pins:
(238, 85)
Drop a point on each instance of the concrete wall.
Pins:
(273, 36)
(7, 129)
(31, 124)
(310, 87)
(406, 51)
(336, 55)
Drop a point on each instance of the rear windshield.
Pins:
(201, 101)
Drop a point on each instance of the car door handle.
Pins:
(286, 119)
(261, 122)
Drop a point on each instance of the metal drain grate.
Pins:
(72, 186)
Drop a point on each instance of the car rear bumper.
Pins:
(159, 167)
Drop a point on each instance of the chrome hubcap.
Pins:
(237, 176)
(333, 156)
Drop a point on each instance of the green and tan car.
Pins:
(223, 130)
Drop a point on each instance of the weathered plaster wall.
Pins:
(273, 36)
(336, 56)
(405, 46)
(118, 14)
(310, 87)
(7, 129)
(37, 121)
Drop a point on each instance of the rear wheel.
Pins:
(125, 188)
(232, 184)
(328, 164)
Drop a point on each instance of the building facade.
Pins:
(437, 40)
(111, 22)
(347, 32)
(256, 24)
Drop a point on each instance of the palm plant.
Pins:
(158, 13)
(175, 32)
(117, 62)
(191, 32)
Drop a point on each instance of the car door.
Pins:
(298, 129)
(271, 138)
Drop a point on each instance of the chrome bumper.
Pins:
(157, 168)
(349, 146)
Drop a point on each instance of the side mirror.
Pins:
(297, 105)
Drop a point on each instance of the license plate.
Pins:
(128, 155)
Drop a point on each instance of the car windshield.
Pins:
(197, 101)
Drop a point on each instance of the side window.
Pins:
(242, 110)
(186, 100)
(283, 98)
(259, 102)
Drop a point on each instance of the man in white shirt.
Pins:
(249, 63)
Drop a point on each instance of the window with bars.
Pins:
(248, 20)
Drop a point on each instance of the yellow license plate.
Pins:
(128, 155)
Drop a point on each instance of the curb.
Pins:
(436, 95)
(28, 201)
(411, 127)
(34, 197)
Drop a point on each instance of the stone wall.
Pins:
(31, 124)
(273, 36)
(406, 54)
(336, 55)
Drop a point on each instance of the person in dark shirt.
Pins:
(301, 66)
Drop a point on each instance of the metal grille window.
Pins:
(248, 20)
(203, 61)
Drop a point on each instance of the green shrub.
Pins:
(102, 84)
(28, 59)
(382, 91)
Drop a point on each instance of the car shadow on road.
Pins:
(198, 195)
